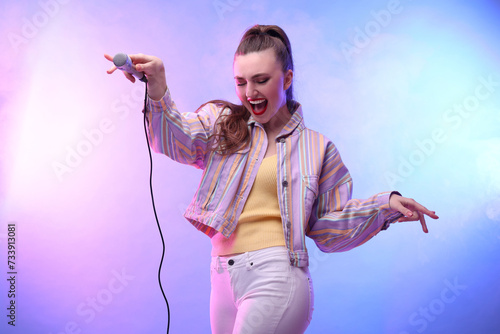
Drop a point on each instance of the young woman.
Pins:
(268, 182)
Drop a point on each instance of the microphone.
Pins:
(123, 62)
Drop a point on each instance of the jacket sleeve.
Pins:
(339, 223)
(184, 137)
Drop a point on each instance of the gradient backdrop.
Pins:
(408, 90)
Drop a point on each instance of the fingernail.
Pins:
(138, 67)
(409, 214)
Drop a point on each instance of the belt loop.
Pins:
(218, 266)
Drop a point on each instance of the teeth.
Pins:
(257, 101)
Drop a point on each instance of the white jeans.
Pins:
(260, 292)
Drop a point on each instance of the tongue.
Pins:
(260, 106)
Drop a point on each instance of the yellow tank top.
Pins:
(260, 224)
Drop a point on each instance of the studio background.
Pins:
(409, 92)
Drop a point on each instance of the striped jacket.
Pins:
(314, 186)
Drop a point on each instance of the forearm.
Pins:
(157, 86)
(184, 137)
(355, 224)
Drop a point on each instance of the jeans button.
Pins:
(230, 262)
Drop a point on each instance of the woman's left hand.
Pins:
(411, 210)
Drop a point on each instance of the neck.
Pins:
(279, 120)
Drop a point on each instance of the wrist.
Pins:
(390, 197)
(156, 89)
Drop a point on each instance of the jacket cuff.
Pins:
(388, 215)
(161, 105)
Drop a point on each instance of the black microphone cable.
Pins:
(153, 202)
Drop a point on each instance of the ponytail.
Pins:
(231, 131)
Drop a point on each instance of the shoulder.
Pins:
(211, 109)
(307, 133)
(211, 106)
(317, 144)
(321, 139)
(218, 107)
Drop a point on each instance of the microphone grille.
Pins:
(120, 59)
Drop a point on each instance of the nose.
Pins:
(251, 91)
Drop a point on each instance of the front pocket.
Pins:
(311, 183)
(276, 267)
(310, 189)
(311, 299)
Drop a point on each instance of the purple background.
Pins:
(397, 85)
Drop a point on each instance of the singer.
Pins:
(268, 182)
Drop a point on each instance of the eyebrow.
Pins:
(254, 76)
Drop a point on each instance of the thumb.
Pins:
(398, 206)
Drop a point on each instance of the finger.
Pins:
(414, 216)
(147, 68)
(407, 219)
(406, 212)
(129, 76)
(149, 65)
(422, 222)
(423, 209)
(110, 58)
(111, 70)
(114, 68)
(140, 63)
(140, 58)
(433, 215)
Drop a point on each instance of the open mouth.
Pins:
(258, 106)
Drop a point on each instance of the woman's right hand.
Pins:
(153, 69)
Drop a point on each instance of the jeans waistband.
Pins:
(247, 258)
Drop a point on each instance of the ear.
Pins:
(287, 82)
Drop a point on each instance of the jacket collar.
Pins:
(295, 123)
